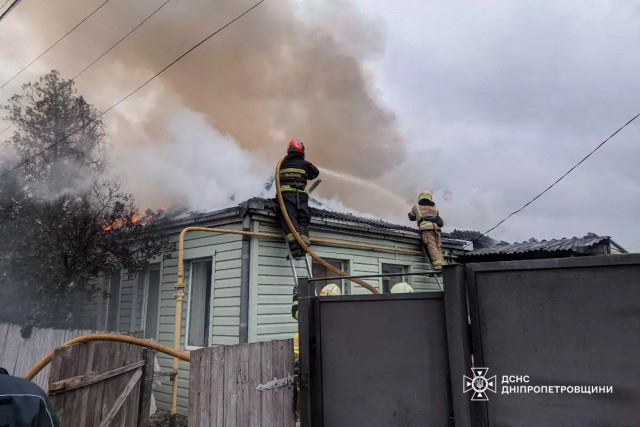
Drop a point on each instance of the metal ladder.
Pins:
(292, 261)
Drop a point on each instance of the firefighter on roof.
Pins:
(294, 173)
(429, 222)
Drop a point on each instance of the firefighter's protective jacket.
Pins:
(295, 171)
(426, 215)
(23, 403)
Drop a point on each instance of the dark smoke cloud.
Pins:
(288, 69)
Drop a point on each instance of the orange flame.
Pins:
(134, 220)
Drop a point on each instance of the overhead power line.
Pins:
(109, 49)
(123, 37)
(556, 181)
(11, 6)
(54, 44)
(4, 4)
(30, 158)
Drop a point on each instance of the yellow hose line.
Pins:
(328, 266)
(108, 337)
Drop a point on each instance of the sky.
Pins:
(484, 103)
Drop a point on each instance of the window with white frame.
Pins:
(150, 283)
(113, 301)
(199, 295)
(319, 272)
(389, 281)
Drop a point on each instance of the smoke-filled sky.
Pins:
(484, 102)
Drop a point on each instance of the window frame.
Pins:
(209, 325)
(145, 298)
(345, 265)
(407, 267)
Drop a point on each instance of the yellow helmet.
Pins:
(401, 288)
(331, 290)
(426, 194)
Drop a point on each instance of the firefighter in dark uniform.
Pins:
(294, 173)
(23, 403)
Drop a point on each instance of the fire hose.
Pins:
(306, 248)
(108, 337)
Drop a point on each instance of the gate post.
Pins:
(305, 308)
(458, 340)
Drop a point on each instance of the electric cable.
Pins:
(109, 49)
(30, 158)
(555, 182)
(4, 4)
(54, 44)
(7, 10)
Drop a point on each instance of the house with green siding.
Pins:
(239, 288)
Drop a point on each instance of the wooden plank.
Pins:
(121, 382)
(133, 381)
(255, 378)
(278, 372)
(97, 391)
(129, 410)
(13, 349)
(216, 398)
(265, 376)
(204, 409)
(90, 378)
(112, 360)
(133, 406)
(54, 375)
(81, 355)
(288, 409)
(197, 384)
(84, 394)
(67, 369)
(4, 328)
(243, 386)
(49, 343)
(231, 362)
(146, 387)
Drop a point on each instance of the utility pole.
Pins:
(11, 6)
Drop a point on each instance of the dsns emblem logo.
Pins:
(479, 384)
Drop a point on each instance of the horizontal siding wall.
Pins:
(138, 300)
(225, 315)
(275, 282)
(90, 312)
(128, 285)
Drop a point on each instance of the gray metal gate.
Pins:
(563, 333)
(374, 360)
(572, 322)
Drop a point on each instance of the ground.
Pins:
(161, 419)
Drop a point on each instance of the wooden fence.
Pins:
(102, 384)
(18, 355)
(242, 385)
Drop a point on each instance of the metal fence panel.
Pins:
(564, 322)
(383, 360)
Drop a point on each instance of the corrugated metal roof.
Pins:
(479, 240)
(572, 244)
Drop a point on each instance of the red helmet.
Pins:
(295, 145)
